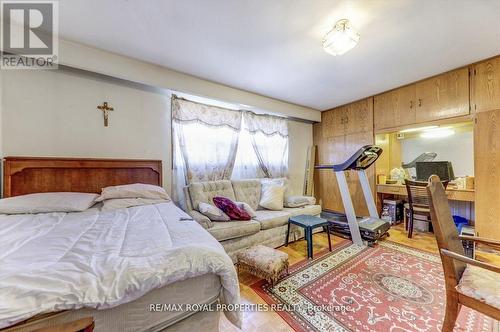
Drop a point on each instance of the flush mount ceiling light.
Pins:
(410, 130)
(341, 38)
(438, 133)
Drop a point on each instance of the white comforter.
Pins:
(58, 261)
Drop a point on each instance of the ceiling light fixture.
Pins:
(437, 133)
(341, 38)
(410, 130)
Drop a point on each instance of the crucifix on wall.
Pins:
(105, 109)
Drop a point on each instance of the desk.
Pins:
(384, 190)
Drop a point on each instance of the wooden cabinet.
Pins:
(353, 118)
(333, 150)
(443, 96)
(485, 85)
(395, 108)
(341, 121)
(360, 116)
(487, 173)
(440, 97)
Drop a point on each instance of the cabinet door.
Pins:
(443, 96)
(395, 108)
(384, 110)
(360, 116)
(485, 92)
(327, 124)
(341, 116)
(335, 122)
(487, 173)
(405, 105)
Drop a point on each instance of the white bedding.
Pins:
(59, 261)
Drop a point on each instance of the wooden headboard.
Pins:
(27, 175)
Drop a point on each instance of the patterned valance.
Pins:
(188, 111)
(266, 124)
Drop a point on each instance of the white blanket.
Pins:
(60, 261)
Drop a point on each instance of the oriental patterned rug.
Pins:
(389, 287)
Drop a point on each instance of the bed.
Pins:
(125, 268)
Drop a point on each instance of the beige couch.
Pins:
(268, 227)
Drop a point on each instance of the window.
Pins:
(213, 143)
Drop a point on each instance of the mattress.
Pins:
(101, 260)
(138, 314)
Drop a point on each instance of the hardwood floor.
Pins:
(297, 251)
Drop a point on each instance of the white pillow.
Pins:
(136, 190)
(47, 202)
(122, 203)
(247, 208)
(272, 197)
(212, 212)
(299, 201)
(277, 182)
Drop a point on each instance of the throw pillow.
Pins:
(247, 208)
(212, 212)
(277, 182)
(231, 209)
(272, 197)
(299, 201)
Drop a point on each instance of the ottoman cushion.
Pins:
(264, 262)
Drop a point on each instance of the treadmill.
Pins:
(360, 229)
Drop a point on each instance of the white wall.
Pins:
(301, 138)
(458, 148)
(53, 113)
(103, 62)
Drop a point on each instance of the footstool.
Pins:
(263, 262)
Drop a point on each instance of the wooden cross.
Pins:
(105, 109)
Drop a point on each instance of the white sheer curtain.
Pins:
(246, 165)
(269, 138)
(205, 140)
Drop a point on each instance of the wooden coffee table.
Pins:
(309, 223)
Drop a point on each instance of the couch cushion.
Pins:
(206, 191)
(271, 219)
(311, 210)
(225, 230)
(247, 191)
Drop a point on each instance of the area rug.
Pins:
(389, 287)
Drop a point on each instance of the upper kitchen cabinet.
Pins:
(443, 96)
(395, 108)
(485, 85)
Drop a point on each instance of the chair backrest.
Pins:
(417, 193)
(444, 228)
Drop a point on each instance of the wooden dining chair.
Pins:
(468, 282)
(418, 203)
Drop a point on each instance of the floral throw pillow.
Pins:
(231, 209)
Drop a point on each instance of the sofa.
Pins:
(267, 227)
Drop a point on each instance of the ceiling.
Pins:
(273, 48)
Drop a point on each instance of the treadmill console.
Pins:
(360, 160)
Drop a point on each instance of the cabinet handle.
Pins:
(419, 102)
(411, 104)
